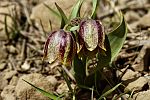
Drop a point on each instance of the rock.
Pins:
(25, 66)
(1, 97)
(62, 88)
(11, 49)
(3, 53)
(137, 85)
(144, 95)
(52, 79)
(7, 8)
(145, 21)
(41, 12)
(31, 2)
(10, 74)
(26, 92)
(3, 82)
(129, 75)
(124, 97)
(147, 76)
(132, 16)
(122, 2)
(8, 93)
(13, 81)
(2, 66)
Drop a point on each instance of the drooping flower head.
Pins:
(91, 35)
(60, 47)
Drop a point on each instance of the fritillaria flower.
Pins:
(91, 35)
(60, 48)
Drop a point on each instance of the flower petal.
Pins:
(101, 35)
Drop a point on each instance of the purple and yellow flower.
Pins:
(60, 48)
(91, 35)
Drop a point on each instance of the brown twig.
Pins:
(34, 48)
(23, 50)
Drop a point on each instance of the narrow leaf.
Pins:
(95, 3)
(109, 91)
(79, 70)
(64, 19)
(76, 10)
(117, 38)
(47, 94)
(86, 87)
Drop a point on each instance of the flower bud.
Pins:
(60, 48)
(91, 35)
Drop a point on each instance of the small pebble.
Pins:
(10, 74)
(25, 66)
(52, 80)
(2, 66)
(12, 49)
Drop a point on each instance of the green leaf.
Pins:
(74, 28)
(79, 70)
(104, 58)
(109, 92)
(117, 38)
(76, 10)
(47, 94)
(64, 19)
(95, 3)
(86, 87)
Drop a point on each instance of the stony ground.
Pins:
(28, 25)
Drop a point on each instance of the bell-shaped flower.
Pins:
(91, 35)
(60, 48)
